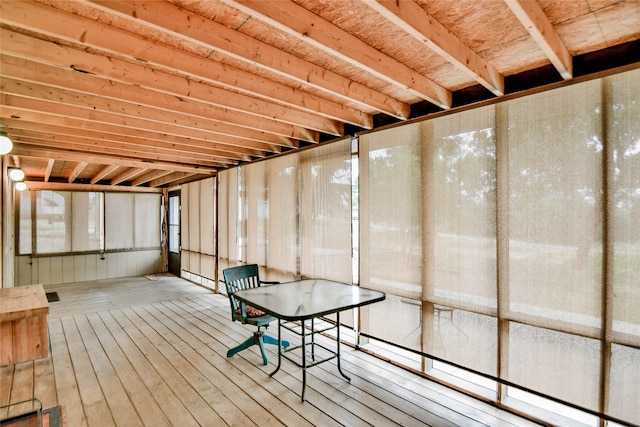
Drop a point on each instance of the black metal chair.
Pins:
(245, 277)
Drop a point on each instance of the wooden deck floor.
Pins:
(135, 351)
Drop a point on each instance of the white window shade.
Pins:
(147, 220)
(119, 211)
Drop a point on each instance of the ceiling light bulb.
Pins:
(16, 174)
(5, 144)
(21, 186)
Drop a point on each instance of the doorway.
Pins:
(173, 220)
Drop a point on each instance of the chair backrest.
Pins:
(238, 278)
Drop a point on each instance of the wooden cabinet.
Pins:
(23, 324)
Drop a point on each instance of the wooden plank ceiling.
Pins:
(150, 94)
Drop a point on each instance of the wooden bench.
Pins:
(24, 334)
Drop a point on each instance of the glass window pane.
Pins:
(147, 220)
(555, 207)
(119, 211)
(555, 363)
(87, 233)
(325, 210)
(625, 137)
(450, 333)
(24, 223)
(390, 211)
(53, 221)
(462, 190)
(625, 380)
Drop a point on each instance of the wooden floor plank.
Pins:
(329, 399)
(65, 377)
(114, 393)
(140, 351)
(93, 400)
(178, 372)
(192, 350)
(22, 389)
(168, 401)
(141, 397)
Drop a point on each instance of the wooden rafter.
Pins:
(103, 172)
(415, 21)
(220, 38)
(26, 47)
(297, 21)
(537, 24)
(76, 171)
(60, 24)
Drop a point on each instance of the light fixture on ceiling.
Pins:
(16, 174)
(21, 186)
(5, 143)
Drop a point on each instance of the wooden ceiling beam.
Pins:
(149, 155)
(415, 21)
(103, 172)
(23, 128)
(222, 40)
(299, 22)
(66, 57)
(49, 76)
(167, 179)
(77, 171)
(19, 118)
(541, 30)
(150, 176)
(78, 83)
(47, 173)
(112, 110)
(65, 155)
(20, 104)
(127, 175)
(60, 24)
(60, 186)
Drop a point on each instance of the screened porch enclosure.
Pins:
(507, 239)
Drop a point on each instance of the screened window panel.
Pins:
(147, 221)
(460, 184)
(283, 217)
(185, 214)
(555, 363)
(223, 221)
(624, 123)
(174, 225)
(555, 207)
(325, 212)
(256, 212)
(119, 214)
(207, 229)
(396, 319)
(87, 228)
(53, 222)
(390, 211)
(227, 218)
(24, 223)
(624, 393)
(193, 216)
(450, 333)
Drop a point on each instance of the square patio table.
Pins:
(294, 303)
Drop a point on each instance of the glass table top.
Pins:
(306, 299)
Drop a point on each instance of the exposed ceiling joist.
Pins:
(297, 21)
(536, 22)
(415, 21)
(149, 94)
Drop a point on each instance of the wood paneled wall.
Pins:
(86, 267)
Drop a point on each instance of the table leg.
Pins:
(279, 348)
(304, 362)
(338, 346)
